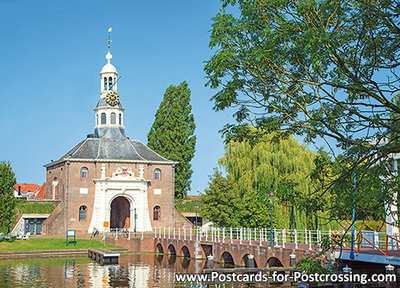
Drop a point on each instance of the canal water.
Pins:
(139, 271)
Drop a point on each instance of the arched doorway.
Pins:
(120, 213)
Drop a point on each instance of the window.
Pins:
(156, 213)
(84, 172)
(103, 118)
(120, 119)
(54, 188)
(157, 174)
(97, 119)
(82, 213)
(105, 83)
(113, 118)
(110, 84)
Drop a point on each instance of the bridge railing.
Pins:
(307, 239)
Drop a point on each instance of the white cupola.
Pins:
(108, 76)
(109, 114)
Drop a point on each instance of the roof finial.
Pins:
(109, 56)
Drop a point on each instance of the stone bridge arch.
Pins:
(227, 260)
(273, 262)
(159, 248)
(171, 249)
(185, 252)
(245, 261)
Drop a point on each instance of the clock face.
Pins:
(112, 98)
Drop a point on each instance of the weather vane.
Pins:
(109, 38)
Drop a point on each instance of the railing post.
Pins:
(207, 234)
(255, 234)
(283, 238)
(309, 236)
(142, 236)
(219, 238)
(317, 237)
(387, 238)
(305, 234)
(260, 236)
(276, 238)
(223, 234)
(241, 235)
(249, 232)
(231, 235)
(212, 234)
(330, 236)
(295, 239)
(174, 234)
(237, 233)
(179, 233)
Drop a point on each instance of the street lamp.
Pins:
(271, 195)
(196, 206)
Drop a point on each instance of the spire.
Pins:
(109, 111)
(109, 56)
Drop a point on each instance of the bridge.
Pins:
(239, 246)
(250, 247)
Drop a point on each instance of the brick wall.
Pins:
(76, 199)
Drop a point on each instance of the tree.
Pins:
(7, 200)
(172, 134)
(282, 167)
(322, 69)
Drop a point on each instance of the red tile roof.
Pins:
(41, 194)
(26, 187)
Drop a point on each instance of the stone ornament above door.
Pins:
(123, 172)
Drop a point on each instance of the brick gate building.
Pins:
(108, 178)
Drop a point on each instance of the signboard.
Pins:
(70, 233)
(106, 224)
(303, 285)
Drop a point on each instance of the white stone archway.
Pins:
(123, 183)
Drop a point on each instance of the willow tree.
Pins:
(326, 70)
(253, 172)
(172, 134)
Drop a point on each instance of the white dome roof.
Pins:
(108, 68)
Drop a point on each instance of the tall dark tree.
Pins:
(7, 200)
(172, 134)
(326, 70)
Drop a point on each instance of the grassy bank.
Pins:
(49, 244)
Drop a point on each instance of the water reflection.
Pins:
(139, 271)
(132, 271)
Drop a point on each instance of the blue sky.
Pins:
(51, 55)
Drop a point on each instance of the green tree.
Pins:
(322, 69)
(172, 134)
(7, 200)
(282, 167)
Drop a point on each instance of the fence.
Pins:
(310, 239)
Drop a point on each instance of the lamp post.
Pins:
(353, 218)
(271, 195)
(196, 206)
